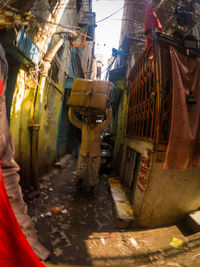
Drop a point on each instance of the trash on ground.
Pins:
(56, 241)
(51, 189)
(103, 241)
(48, 214)
(64, 211)
(100, 225)
(35, 219)
(134, 243)
(46, 197)
(174, 264)
(112, 236)
(43, 186)
(81, 222)
(176, 243)
(54, 230)
(196, 256)
(58, 252)
(57, 209)
(64, 236)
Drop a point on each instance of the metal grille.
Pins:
(142, 99)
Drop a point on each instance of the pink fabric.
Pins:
(183, 151)
(151, 19)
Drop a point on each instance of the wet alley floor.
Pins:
(79, 228)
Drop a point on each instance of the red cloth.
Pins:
(15, 250)
(1, 87)
(151, 19)
(183, 151)
(151, 22)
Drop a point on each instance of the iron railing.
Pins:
(142, 99)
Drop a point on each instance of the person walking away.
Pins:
(89, 159)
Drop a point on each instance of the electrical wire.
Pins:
(101, 19)
(70, 26)
(107, 70)
(111, 14)
(38, 18)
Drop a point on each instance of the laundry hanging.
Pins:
(183, 151)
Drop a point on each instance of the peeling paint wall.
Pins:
(171, 194)
(38, 96)
(19, 122)
(160, 196)
(48, 125)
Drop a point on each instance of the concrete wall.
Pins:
(170, 195)
(160, 196)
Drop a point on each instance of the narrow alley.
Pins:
(99, 133)
(83, 231)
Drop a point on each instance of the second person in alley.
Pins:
(89, 159)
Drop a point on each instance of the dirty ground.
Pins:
(79, 228)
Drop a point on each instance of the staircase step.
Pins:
(123, 208)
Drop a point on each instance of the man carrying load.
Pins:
(89, 159)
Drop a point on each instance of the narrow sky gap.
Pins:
(108, 31)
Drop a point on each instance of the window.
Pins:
(142, 99)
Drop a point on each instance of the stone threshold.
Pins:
(123, 208)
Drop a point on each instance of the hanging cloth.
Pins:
(151, 23)
(183, 151)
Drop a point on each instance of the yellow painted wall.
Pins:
(21, 114)
(19, 121)
(49, 125)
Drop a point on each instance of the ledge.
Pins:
(124, 211)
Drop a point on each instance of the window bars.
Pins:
(143, 119)
(142, 99)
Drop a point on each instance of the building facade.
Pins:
(44, 58)
(160, 193)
